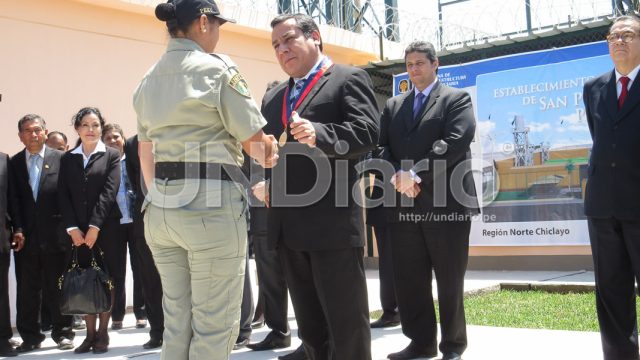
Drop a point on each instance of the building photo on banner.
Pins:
(532, 143)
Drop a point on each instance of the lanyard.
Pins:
(286, 105)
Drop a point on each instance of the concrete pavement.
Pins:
(485, 343)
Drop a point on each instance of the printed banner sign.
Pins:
(532, 143)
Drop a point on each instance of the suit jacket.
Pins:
(88, 195)
(39, 220)
(5, 203)
(447, 115)
(342, 108)
(614, 167)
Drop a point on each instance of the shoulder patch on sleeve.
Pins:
(238, 84)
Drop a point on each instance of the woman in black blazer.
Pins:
(87, 185)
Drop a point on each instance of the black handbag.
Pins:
(85, 290)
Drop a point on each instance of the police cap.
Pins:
(185, 11)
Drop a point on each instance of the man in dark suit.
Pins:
(612, 195)
(330, 118)
(6, 348)
(152, 285)
(426, 134)
(37, 225)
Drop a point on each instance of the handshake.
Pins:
(262, 148)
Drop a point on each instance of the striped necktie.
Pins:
(295, 93)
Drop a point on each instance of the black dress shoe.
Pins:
(298, 354)
(386, 321)
(413, 351)
(6, 350)
(26, 347)
(85, 347)
(100, 348)
(101, 345)
(274, 340)
(152, 343)
(240, 343)
(451, 356)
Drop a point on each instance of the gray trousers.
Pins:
(197, 232)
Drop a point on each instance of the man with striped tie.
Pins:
(324, 115)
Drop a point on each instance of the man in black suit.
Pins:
(330, 118)
(6, 349)
(37, 225)
(426, 134)
(152, 285)
(612, 195)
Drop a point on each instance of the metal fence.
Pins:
(445, 23)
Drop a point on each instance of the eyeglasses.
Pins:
(36, 131)
(626, 37)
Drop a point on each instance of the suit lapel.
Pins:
(406, 110)
(46, 167)
(279, 100)
(610, 96)
(94, 158)
(632, 100)
(314, 91)
(431, 101)
(433, 97)
(22, 170)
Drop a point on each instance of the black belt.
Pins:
(195, 170)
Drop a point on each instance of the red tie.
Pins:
(623, 94)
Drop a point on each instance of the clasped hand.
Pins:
(79, 238)
(271, 156)
(405, 184)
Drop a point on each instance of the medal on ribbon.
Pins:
(282, 139)
(288, 107)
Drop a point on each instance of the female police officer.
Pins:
(195, 115)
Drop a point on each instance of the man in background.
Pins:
(426, 134)
(37, 225)
(57, 140)
(151, 284)
(612, 195)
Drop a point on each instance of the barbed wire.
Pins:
(470, 21)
